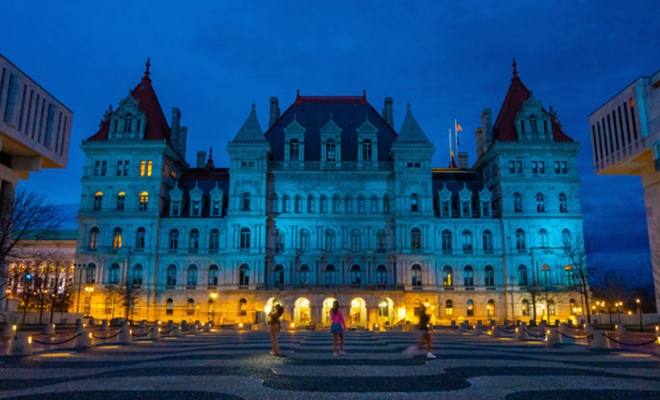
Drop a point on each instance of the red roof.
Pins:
(157, 127)
(504, 128)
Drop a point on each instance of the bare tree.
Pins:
(610, 288)
(130, 296)
(576, 250)
(535, 290)
(113, 296)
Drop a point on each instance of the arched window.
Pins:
(192, 275)
(356, 275)
(381, 275)
(487, 237)
(522, 275)
(169, 307)
(545, 274)
(517, 202)
(470, 308)
(140, 237)
(386, 204)
(570, 277)
(137, 274)
(324, 204)
(213, 275)
(447, 276)
(298, 204)
(449, 308)
(361, 204)
(446, 242)
(94, 238)
(98, 201)
(330, 150)
(416, 274)
(489, 276)
(467, 241)
(414, 206)
(273, 203)
(242, 307)
(490, 308)
(565, 237)
(381, 241)
(468, 276)
(279, 275)
(520, 240)
(330, 275)
(304, 275)
(367, 151)
(525, 308)
(355, 241)
(190, 310)
(286, 204)
(171, 275)
(336, 206)
(563, 203)
(311, 204)
(246, 202)
(174, 239)
(348, 204)
(121, 201)
(415, 240)
(113, 276)
(330, 240)
(294, 150)
(90, 273)
(245, 238)
(193, 244)
(304, 240)
(144, 201)
(244, 275)
(540, 203)
(214, 240)
(374, 204)
(117, 238)
(543, 236)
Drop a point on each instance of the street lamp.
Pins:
(213, 297)
(88, 290)
(639, 310)
(82, 267)
(618, 310)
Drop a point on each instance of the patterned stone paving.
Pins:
(236, 365)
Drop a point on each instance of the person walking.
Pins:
(424, 320)
(337, 328)
(274, 323)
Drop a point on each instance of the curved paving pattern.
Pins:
(236, 365)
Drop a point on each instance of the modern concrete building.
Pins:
(625, 140)
(331, 202)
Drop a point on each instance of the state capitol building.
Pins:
(330, 202)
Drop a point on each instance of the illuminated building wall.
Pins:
(329, 203)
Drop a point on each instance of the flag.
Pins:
(458, 127)
(451, 152)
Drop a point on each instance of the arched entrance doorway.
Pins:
(386, 315)
(358, 312)
(327, 306)
(302, 312)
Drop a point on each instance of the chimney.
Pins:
(487, 125)
(176, 120)
(183, 137)
(463, 160)
(481, 141)
(388, 114)
(201, 159)
(274, 111)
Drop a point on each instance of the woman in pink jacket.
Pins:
(337, 328)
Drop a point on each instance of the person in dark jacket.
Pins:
(424, 324)
(274, 322)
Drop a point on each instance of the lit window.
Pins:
(144, 201)
(117, 238)
(98, 201)
(447, 276)
(121, 201)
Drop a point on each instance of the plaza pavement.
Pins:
(237, 365)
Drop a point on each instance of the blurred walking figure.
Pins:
(274, 323)
(337, 328)
(424, 320)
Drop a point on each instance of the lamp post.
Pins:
(88, 290)
(82, 267)
(618, 310)
(213, 297)
(639, 310)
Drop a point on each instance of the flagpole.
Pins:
(451, 152)
(456, 134)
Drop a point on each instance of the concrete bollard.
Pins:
(193, 330)
(570, 323)
(176, 331)
(79, 324)
(207, 327)
(497, 332)
(506, 322)
(197, 323)
(125, 337)
(49, 329)
(105, 327)
(620, 330)
(557, 322)
(554, 338)
(521, 335)
(479, 323)
(492, 323)
(155, 333)
(453, 324)
(9, 330)
(462, 328)
(478, 330)
(563, 328)
(143, 324)
(543, 325)
(170, 324)
(600, 341)
(84, 341)
(20, 345)
(92, 321)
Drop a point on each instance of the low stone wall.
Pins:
(32, 318)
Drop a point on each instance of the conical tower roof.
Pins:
(410, 130)
(251, 129)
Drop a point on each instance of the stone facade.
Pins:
(329, 203)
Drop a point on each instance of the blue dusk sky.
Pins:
(450, 60)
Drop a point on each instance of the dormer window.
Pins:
(196, 208)
(176, 208)
(215, 208)
(533, 124)
(128, 123)
(367, 152)
(330, 150)
(294, 150)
